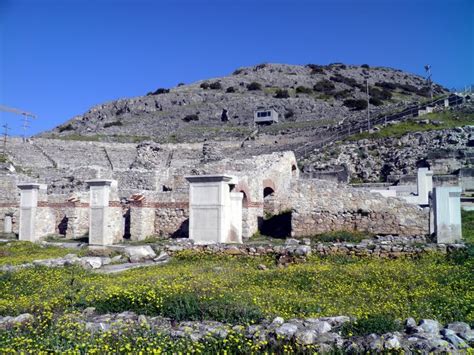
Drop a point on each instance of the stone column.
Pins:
(235, 233)
(8, 224)
(28, 209)
(105, 214)
(210, 210)
(142, 221)
(447, 214)
(424, 183)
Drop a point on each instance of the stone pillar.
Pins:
(447, 214)
(235, 234)
(8, 224)
(28, 210)
(105, 214)
(142, 222)
(211, 208)
(424, 183)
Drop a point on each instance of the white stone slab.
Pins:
(215, 213)
(447, 214)
(7, 224)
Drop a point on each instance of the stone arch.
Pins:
(269, 192)
(268, 187)
(242, 187)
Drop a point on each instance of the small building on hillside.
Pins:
(265, 116)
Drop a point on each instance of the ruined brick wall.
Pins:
(321, 206)
(163, 214)
(71, 214)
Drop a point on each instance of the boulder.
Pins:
(91, 262)
(429, 326)
(286, 331)
(139, 253)
(306, 337)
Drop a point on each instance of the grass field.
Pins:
(447, 119)
(195, 286)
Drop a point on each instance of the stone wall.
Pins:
(321, 206)
(71, 214)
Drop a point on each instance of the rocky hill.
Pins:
(442, 141)
(306, 97)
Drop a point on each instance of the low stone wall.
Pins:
(320, 206)
(306, 335)
(380, 246)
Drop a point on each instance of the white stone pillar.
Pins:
(447, 204)
(211, 209)
(8, 224)
(105, 214)
(235, 235)
(424, 183)
(28, 208)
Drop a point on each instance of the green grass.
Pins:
(468, 226)
(341, 236)
(447, 120)
(428, 287)
(197, 286)
(15, 253)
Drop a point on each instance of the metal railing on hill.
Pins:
(346, 129)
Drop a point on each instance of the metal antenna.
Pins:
(5, 136)
(25, 125)
(428, 79)
(26, 117)
(368, 103)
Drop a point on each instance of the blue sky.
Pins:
(60, 57)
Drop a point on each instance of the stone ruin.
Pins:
(217, 200)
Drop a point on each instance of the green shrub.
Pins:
(254, 86)
(408, 88)
(324, 86)
(387, 85)
(205, 85)
(230, 89)
(341, 236)
(66, 127)
(112, 124)
(303, 90)
(338, 78)
(281, 94)
(376, 102)
(380, 94)
(377, 323)
(355, 104)
(158, 91)
(365, 66)
(215, 86)
(424, 91)
(289, 113)
(192, 117)
(315, 69)
(189, 306)
(338, 65)
(341, 94)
